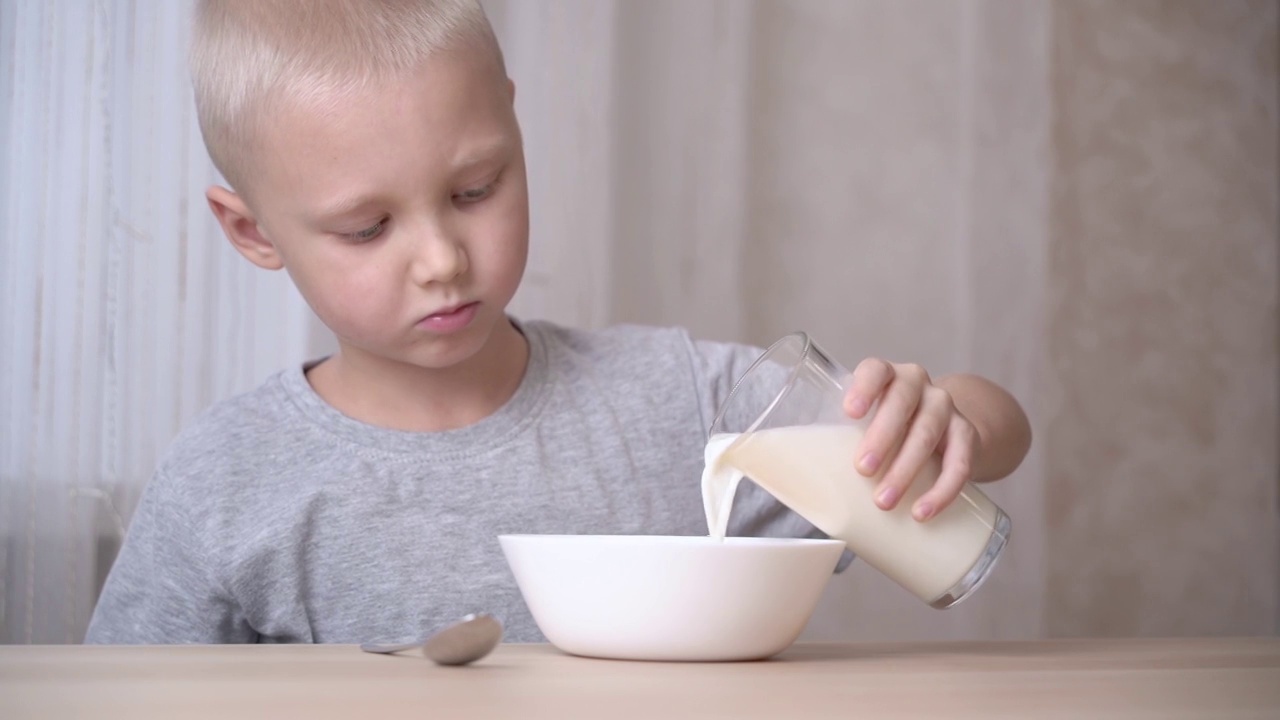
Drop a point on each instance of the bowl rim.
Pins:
(698, 540)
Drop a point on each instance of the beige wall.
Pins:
(1161, 442)
(1074, 197)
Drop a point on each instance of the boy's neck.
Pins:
(401, 396)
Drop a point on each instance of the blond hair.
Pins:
(248, 56)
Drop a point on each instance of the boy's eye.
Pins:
(476, 194)
(368, 233)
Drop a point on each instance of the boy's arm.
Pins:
(161, 589)
(1004, 433)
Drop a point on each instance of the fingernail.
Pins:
(859, 407)
(924, 511)
(888, 497)
(869, 463)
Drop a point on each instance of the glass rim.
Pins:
(806, 348)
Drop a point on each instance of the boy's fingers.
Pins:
(892, 417)
(869, 380)
(957, 469)
(926, 432)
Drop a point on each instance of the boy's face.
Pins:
(401, 211)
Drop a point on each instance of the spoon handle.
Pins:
(384, 649)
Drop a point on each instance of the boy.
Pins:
(375, 155)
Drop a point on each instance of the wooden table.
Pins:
(1219, 679)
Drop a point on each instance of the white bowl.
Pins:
(638, 597)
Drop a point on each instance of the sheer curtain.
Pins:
(122, 311)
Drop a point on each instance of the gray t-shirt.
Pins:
(275, 518)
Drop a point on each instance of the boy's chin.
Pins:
(444, 352)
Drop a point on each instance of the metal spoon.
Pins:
(463, 642)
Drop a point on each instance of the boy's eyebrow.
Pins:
(481, 153)
(344, 206)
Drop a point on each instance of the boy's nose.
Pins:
(438, 258)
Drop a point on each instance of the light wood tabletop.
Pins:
(1183, 678)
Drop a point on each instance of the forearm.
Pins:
(1003, 429)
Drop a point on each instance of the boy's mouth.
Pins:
(450, 319)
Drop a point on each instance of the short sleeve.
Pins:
(162, 589)
(716, 367)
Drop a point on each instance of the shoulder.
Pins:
(642, 348)
(648, 363)
(609, 341)
(223, 442)
(624, 346)
(645, 349)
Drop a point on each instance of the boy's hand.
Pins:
(922, 417)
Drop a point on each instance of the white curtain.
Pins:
(122, 312)
(739, 167)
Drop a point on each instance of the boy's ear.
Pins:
(242, 229)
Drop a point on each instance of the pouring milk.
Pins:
(810, 468)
